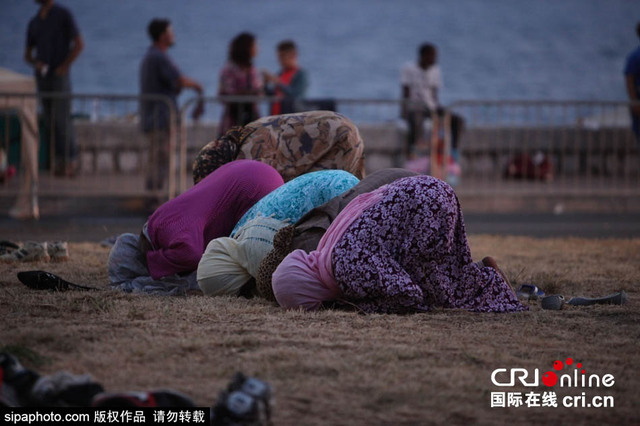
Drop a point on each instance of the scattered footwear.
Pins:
(15, 382)
(552, 302)
(42, 280)
(246, 400)
(63, 389)
(58, 251)
(556, 301)
(31, 251)
(619, 298)
(7, 247)
(529, 292)
(159, 398)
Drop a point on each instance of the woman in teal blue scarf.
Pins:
(295, 198)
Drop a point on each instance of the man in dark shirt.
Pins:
(54, 36)
(160, 76)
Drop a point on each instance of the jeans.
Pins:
(56, 113)
(415, 119)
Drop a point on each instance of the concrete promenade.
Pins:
(94, 228)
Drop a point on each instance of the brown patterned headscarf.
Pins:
(216, 153)
(281, 248)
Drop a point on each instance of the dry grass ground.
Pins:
(343, 368)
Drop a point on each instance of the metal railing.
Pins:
(88, 145)
(528, 148)
(572, 148)
(378, 122)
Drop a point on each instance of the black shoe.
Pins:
(63, 389)
(42, 280)
(246, 401)
(7, 247)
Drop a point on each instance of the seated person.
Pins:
(176, 234)
(293, 144)
(399, 249)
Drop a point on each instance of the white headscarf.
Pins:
(229, 263)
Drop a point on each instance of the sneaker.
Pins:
(529, 292)
(58, 251)
(7, 247)
(246, 401)
(553, 302)
(63, 389)
(31, 251)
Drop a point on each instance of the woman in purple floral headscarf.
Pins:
(401, 248)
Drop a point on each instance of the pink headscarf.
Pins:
(306, 280)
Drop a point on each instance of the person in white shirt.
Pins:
(421, 83)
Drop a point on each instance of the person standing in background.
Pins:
(57, 42)
(421, 83)
(160, 76)
(632, 80)
(291, 83)
(239, 77)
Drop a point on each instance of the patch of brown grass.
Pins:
(336, 367)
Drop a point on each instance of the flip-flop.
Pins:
(42, 280)
(7, 247)
(619, 298)
(530, 292)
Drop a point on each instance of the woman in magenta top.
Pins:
(180, 229)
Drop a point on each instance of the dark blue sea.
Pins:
(489, 49)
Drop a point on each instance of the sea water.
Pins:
(489, 49)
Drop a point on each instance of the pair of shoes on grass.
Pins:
(555, 302)
(33, 251)
(7, 247)
(22, 387)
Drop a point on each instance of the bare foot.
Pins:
(491, 263)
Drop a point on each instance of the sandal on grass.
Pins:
(42, 280)
(556, 301)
